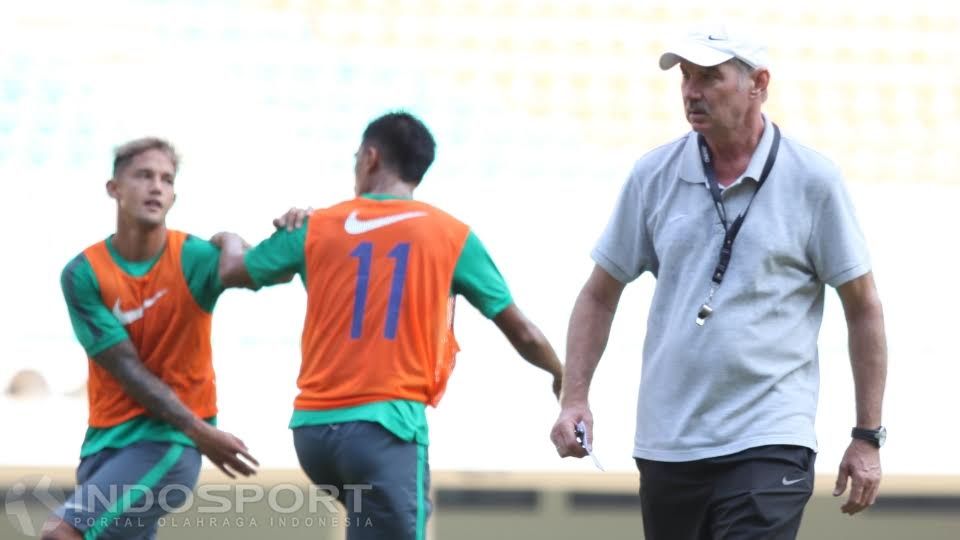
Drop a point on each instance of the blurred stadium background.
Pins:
(539, 109)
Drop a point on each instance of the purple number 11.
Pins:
(364, 254)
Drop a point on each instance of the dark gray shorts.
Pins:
(382, 481)
(757, 494)
(122, 493)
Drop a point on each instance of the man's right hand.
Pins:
(223, 449)
(861, 464)
(563, 433)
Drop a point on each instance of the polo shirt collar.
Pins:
(691, 167)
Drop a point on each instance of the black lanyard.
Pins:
(726, 249)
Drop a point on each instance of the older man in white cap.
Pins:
(742, 228)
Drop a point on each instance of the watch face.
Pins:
(881, 436)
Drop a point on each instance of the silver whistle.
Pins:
(704, 314)
(705, 310)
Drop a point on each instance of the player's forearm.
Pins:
(232, 267)
(587, 337)
(868, 357)
(528, 340)
(536, 350)
(123, 362)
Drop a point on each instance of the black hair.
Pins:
(405, 144)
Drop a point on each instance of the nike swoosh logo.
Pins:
(711, 38)
(134, 315)
(791, 482)
(354, 225)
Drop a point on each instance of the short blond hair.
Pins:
(125, 153)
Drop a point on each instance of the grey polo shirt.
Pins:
(749, 377)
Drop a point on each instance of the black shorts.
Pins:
(756, 494)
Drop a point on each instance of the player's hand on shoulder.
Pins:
(293, 219)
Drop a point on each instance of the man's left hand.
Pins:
(861, 464)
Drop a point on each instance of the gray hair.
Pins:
(745, 70)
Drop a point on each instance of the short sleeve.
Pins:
(624, 249)
(477, 278)
(278, 256)
(201, 269)
(837, 247)
(94, 325)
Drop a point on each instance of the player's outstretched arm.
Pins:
(586, 339)
(530, 342)
(279, 257)
(222, 448)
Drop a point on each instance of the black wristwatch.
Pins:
(875, 437)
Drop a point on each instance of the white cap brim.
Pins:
(694, 53)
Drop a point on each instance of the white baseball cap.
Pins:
(713, 47)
